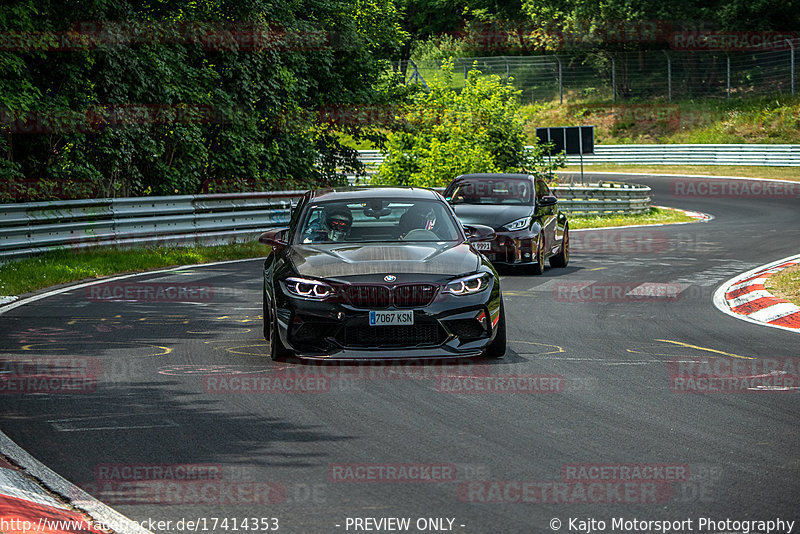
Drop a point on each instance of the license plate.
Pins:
(384, 318)
(483, 245)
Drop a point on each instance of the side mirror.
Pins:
(274, 238)
(548, 200)
(479, 232)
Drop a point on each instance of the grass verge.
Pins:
(60, 267)
(772, 173)
(786, 284)
(741, 120)
(655, 216)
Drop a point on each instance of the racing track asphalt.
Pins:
(733, 455)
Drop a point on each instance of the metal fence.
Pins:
(667, 74)
(763, 155)
(31, 228)
(697, 154)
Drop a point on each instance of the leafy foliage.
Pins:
(445, 133)
(155, 97)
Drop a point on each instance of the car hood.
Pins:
(340, 260)
(494, 215)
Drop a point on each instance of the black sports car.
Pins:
(380, 273)
(522, 211)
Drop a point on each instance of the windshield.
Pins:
(493, 191)
(378, 220)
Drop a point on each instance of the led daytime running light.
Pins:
(309, 289)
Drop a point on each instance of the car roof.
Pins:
(365, 193)
(495, 176)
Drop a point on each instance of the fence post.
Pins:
(614, 78)
(669, 76)
(728, 60)
(791, 70)
(561, 83)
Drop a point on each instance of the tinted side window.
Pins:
(541, 189)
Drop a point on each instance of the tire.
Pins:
(277, 351)
(538, 267)
(497, 348)
(562, 258)
(264, 313)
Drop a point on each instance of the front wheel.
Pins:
(265, 314)
(497, 348)
(277, 351)
(538, 267)
(562, 258)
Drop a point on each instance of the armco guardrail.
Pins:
(30, 228)
(35, 227)
(764, 155)
(701, 154)
(603, 197)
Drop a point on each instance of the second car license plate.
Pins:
(383, 318)
(483, 245)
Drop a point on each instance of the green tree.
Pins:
(445, 133)
(167, 97)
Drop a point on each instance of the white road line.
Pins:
(48, 294)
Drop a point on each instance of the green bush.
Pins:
(443, 133)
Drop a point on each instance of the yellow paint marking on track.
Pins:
(518, 294)
(261, 352)
(237, 318)
(598, 268)
(705, 349)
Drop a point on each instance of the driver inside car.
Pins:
(336, 222)
(417, 218)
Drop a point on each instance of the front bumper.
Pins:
(449, 327)
(511, 248)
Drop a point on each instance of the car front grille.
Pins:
(418, 335)
(378, 297)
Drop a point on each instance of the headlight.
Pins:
(468, 284)
(308, 289)
(519, 224)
